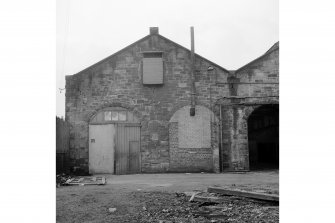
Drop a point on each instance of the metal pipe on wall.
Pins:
(192, 109)
(221, 140)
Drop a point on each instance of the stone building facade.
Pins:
(215, 139)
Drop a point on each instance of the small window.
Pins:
(153, 68)
(108, 116)
(122, 116)
(115, 116)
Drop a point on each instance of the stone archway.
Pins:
(114, 142)
(263, 137)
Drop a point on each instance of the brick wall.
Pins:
(188, 159)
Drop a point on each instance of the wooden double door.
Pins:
(114, 148)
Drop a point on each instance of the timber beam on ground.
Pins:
(247, 194)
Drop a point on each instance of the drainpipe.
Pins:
(221, 140)
(192, 109)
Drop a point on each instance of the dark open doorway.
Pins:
(263, 138)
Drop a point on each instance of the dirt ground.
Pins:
(157, 198)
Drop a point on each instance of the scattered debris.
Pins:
(165, 207)
(206, 203)
(210, 199)
(201, 198)
(111, 210)
(221, 208)
(160, 206)
(193, 195)
(242, 193)
(62, 178)
(186, 193)
(81, 181)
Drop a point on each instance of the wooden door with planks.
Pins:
(127, 150)
(114, 142)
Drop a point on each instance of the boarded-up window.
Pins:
(152, 68)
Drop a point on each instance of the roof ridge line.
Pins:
(114, 54)
(270, 50)
(194, 53)
(163, 37)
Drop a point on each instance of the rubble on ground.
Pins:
(62, 178)
(65, 179)
(165, 207)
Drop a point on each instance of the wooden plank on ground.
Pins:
(86, 181)
(240, 193)
(204, 199)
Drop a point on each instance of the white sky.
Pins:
(230, 33)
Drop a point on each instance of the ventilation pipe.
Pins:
(192, 109)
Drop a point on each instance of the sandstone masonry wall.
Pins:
(117, 82)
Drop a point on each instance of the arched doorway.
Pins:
(263, 137)
(114, 142)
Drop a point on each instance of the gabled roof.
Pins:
(114, 54)
(140, 40)
(194, 53)
(274, 47)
